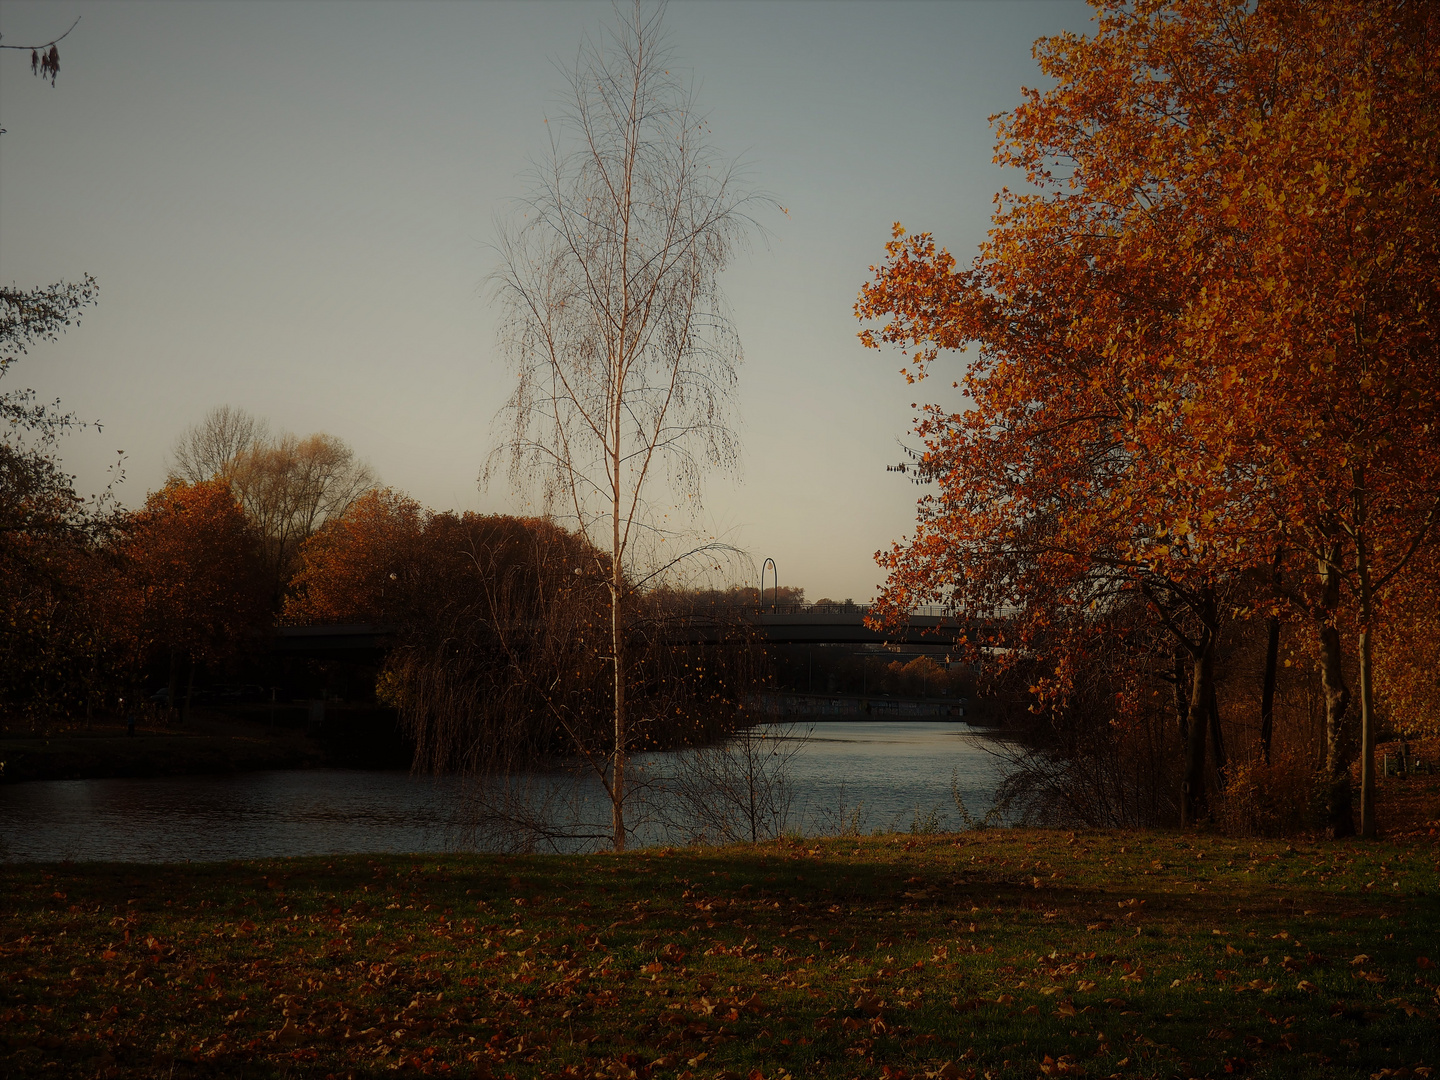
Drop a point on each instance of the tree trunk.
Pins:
(1272, 663)
(617, 779)
(1192, 791)
(1367, 633)
(1339, 739)
(1182, 696)
(189, 688)
(1368, 824)
(1267, 689)
(1217, 739)
(172, 692)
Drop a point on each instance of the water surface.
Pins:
(875, 773)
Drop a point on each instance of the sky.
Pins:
(291, 208)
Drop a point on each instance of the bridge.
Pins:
(839, 624)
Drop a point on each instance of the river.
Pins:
(874, 775)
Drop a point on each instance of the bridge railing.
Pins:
(929, 610)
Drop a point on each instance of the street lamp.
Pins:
(775, 593)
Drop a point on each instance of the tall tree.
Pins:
(615, 325)
(48, 642)
(1337, 315)
(189, 582)
(290, 486)
(287, 486)
(1205, 325)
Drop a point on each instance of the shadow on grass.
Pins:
(1008, 953)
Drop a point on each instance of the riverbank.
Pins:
(204, 747)
(995, 954)
(212, 743)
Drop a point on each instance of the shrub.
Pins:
(1281, 798)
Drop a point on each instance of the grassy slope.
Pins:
(1116, 953)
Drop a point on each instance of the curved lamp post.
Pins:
(775, 594)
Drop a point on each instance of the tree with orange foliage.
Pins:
(359, 560)
(1330, 213)
(495, 620)
(499, 660)
(191, 582)
(1186, 352)
(1407, 655)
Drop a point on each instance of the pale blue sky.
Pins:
(288, 208)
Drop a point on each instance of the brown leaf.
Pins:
(869, 1004)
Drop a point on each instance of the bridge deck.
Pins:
(779, 628)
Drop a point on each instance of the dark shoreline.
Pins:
(211, 744)
(150, 754)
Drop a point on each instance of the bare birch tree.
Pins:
(615, 324)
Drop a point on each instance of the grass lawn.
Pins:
(982, 954)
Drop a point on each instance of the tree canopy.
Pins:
(1202, 337)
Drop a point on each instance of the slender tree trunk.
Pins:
(189, 687)
(1192, 791)
(1367, 633)
(1182, 695)
(172, 692)
(1368, 824)
(617, 780)
(1217, 739)
(1272, 663)
(1267, 689)
(1339, 740)
(617, 641)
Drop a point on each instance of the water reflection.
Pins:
(885, 770)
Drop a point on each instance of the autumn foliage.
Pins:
(190, 577)
(1201, 384)
(498, 628)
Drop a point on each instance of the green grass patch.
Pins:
(985, 954)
